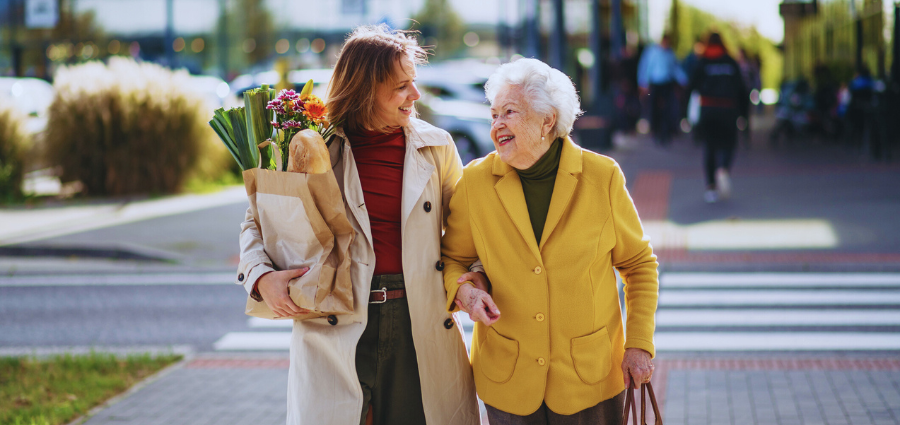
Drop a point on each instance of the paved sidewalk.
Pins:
(695, 391)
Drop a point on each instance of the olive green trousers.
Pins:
(386, 361)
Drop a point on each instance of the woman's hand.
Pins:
(637, 365)
(479, 279)
(478, 304)
(273, 287)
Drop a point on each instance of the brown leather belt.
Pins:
(379, 296)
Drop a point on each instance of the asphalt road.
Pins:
(120, 316)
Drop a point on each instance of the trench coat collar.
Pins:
(509, 190)
(416, 169)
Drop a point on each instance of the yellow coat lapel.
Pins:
(509, 190)
(564, 188)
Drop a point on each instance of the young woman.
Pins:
(400, 357)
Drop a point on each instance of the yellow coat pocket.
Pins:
(591, 356)
(498, 356)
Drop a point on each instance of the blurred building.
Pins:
(838, 35)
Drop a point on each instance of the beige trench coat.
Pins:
(323, 387)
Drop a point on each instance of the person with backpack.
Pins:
(723, 95)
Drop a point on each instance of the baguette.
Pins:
(308, 153)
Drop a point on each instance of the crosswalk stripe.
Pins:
(775, 280)
(777, 318)
(767, 297)
(121, 279)
(776, 341)
(254, 341)
(256, 322)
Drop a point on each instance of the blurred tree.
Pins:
(693, 24)
(250, 33)
(77, 34)
(438, 20)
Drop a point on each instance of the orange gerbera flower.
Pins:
(315, 109)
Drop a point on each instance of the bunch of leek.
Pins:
(231, 126)
(259, 120)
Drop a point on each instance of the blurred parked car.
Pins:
(31, 96)
(298, 78)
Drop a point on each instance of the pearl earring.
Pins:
(542, 137)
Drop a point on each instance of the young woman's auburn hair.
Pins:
(365, 63)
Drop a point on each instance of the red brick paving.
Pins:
(238, 364)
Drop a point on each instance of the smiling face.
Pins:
(395, 97)
(517, 130)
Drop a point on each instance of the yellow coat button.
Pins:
(541, 361)
(537, 270)
(539, 317)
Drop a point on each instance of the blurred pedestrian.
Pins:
(400, 358)
(751, 77)
(658, 75)
(551, 222)
(722, 101)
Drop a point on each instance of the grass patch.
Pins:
(58, 389)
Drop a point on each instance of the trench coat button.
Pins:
(427, 206)
(541, 361)
(537, 270)
(448, 323)
(439, 266)
(332, 320)
(241, 277)
(539, 317)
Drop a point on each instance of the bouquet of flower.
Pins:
(295, 113)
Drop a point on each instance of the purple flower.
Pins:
(290, 124)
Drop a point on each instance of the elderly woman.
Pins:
(550, 221)
(399, 358)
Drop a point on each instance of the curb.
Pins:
(112, 252)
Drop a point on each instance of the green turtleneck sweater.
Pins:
(537, 183)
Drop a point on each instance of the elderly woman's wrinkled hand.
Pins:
(478, 304)
(637, 365)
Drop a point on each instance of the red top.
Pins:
(379, 159)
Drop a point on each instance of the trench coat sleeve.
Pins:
(633, 257)
(254, 260)
(457, 246)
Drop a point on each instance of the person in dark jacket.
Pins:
(717, 77)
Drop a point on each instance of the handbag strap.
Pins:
(631, 407)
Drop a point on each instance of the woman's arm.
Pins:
(633, 257)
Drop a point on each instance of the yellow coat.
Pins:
(559, 339)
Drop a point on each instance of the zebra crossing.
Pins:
(719, 312)
(778, 312)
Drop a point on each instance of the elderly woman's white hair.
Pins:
(547, 90)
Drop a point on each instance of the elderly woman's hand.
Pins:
(636, 364)
(478, 303)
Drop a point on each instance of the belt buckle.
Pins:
(383, 298)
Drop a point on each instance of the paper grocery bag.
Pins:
(303, 223)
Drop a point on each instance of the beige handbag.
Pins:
(303, 223)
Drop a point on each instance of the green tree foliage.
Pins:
(438, 20)
(693, 24)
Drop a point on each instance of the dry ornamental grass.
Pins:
(13, 140)
(131, 128)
